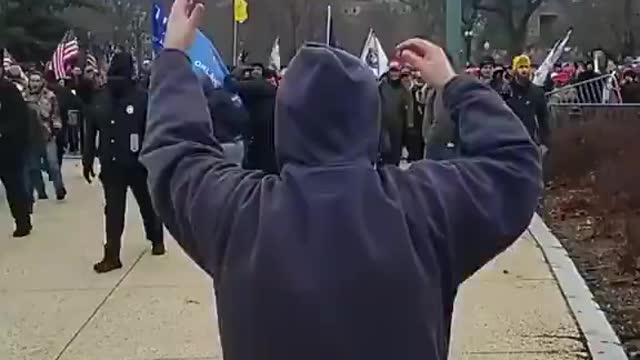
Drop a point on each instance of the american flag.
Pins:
(91, 63)
(7, 60)
(67, 49)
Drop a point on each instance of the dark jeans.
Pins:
(47, 158)
(13, 181)
(73, 135)
(115, 182)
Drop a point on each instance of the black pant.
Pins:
(115, 182)
(73, 136)
(415, 145)
(15, 188)
(61, 143)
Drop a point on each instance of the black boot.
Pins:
(110, 262)
(23, 228)
(158, 249)
(61, 195)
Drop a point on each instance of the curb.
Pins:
(602, 341)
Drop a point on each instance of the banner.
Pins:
(204, 56)
(240, 11)
(158, 28)
(374, 56)
(207, 60)
(553, 57)
(274, 58)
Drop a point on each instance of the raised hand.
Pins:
(429, 59)
(185, 17)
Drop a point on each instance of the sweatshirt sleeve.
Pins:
(196, 193)
(471, 209)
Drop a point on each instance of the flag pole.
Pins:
(328, 24)
(235, 42)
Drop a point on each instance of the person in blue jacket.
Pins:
(333, 257)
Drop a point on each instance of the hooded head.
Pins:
(120, 74)
(327, 110)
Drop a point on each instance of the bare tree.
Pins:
(515, 15)
(434, 13)
(617, 24)
(130, 27)
(299, 22)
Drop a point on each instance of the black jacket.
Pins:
(67, 102)
(14, 128)
(394, 110)
(259, 97)
(529, 104)
(121, 123)
(84, 90)
(230, 118)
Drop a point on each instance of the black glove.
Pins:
(87, 172)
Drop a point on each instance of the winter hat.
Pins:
(521, 61)
(487, 60)
(561, 78)
(121, 65)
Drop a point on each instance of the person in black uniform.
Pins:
(119, 113)
(14, 135)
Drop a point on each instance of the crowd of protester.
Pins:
(415, 122)
(572, 82)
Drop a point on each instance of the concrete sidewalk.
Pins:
(52, 305)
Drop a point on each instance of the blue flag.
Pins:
(207, 60)
(159, 28)
(204, 56)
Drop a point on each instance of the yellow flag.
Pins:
(240, 11)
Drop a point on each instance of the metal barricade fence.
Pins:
(600, 90)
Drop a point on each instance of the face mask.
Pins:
(118, 84)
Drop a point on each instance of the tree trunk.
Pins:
(517, 41)
(629, 39)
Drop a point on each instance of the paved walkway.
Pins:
(52, 305)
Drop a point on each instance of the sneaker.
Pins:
(43, 196)
(158, 249)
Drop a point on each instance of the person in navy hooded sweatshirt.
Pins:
(335, 258)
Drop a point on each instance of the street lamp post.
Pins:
(454, 30)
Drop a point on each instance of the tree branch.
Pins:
(532, 6)
(489, 8)
(479, 5)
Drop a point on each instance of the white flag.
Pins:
(274, 58)
(553, 57)
(374, 56)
